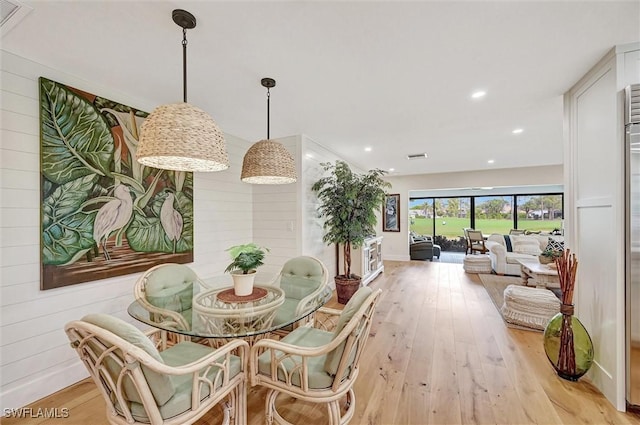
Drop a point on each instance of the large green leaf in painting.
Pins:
(76, 139)
(185, 207)
(145, 234)
(67, 231)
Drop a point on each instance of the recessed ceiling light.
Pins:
(367, 149)
(391, 170)
(517, 131)
(479, 94)
(491, 161)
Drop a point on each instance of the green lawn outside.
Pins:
(453, 226)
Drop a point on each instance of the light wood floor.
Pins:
(439, 353)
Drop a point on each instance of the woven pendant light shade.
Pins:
(179, 136)
(268, 162)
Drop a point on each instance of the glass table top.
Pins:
(216, 313)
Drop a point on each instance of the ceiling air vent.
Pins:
(417, 156)
(12, 12)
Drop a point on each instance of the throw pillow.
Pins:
(507, 243)
(525, 245)
(554, 245)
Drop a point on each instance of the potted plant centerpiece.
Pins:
(245, 260)
(348, 202)
(549, 256)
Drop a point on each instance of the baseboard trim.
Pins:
(42, 386)
(396, 258)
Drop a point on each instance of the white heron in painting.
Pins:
(171, 220)
(112, 216)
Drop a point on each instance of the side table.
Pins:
(545, 276)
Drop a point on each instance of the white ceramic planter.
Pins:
(243, 283)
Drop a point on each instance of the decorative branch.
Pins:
(567, 269)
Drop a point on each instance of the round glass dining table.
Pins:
(217, 313)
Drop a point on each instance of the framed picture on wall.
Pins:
(103, 213)
(391, 213)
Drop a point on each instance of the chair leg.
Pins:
(350, 408)
(270, 406)
(334, 412)
(335, 418)
(241, 404)
(227, 411)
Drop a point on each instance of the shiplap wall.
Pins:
(35, 357)
(275, 216)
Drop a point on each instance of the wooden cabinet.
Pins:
(366, 261)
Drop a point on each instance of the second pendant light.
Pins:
(267, 161)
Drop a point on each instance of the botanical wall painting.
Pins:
(104, 214)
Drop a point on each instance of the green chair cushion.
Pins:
(168, 281)
(286, 311)
(177, 298)
(298, 287)
(354, 304)
(178, 355)
(302, 337)
(301, 276)
(161, 386)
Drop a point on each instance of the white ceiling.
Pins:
(394, 76)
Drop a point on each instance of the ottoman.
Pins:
(529, 307)
(477, 264)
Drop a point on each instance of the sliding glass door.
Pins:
(444, 218)
(494, 214)
(421, 216)
(540, 212)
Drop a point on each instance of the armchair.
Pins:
(476, 241)
(302, 279)
(466, 238)
(421, 247)
(141, 385)
(317, 365)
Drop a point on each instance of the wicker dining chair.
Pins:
(317, 364)
(166, 291)
(142, 385)
(303, 279)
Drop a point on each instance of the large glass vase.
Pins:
(578, 346)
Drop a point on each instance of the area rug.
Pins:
(494, 285)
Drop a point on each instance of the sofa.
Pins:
(506, 250)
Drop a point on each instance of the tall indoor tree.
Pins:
(348, 202)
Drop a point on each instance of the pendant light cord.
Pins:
(184, 65)
(268, 101)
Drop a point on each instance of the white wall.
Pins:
(595, 209)
(35, 356)
(285, 217)
(312, 155)
(396, 244)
